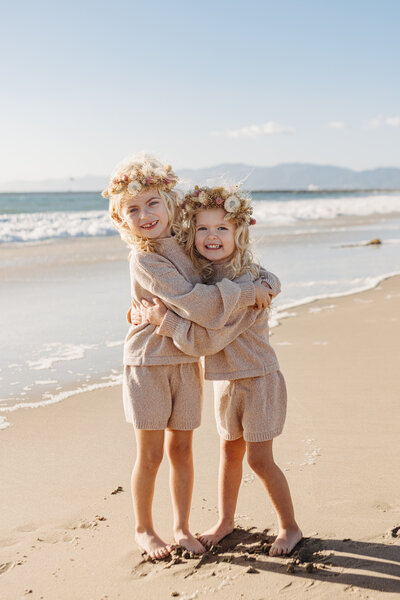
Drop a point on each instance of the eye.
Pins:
(222, 228)
(201, 229)
(153, 202)
(132, 209)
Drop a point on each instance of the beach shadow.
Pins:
(378, 564)
(368, 565)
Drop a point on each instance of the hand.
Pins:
(263, 294)
(134, 316)
(153, 313)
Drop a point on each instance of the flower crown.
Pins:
(237, 207)
(141, 178)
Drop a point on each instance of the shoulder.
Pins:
(142, 259)
(244, 277)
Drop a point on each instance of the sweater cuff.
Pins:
(247, 295)
(169, 324)
(273, 283)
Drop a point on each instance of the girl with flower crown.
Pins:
(162, 385)
(250, 391)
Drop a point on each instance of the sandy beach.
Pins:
(67, 526)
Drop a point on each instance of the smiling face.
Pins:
(146, 215)
(215, 238)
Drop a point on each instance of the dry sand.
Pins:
(65, 535)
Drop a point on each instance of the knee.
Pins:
(232, 451)
(259, 462)
(151, 458)
(180, 453)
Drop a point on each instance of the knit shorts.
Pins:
(163, 396)
(253, 408)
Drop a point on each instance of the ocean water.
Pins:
(65, 286)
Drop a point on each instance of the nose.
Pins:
(144, 212)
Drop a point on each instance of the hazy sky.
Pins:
(262, 82)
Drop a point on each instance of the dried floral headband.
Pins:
(238, 209)
(140, 179)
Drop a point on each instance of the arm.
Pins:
(191, 338)
(272, 280)
(207, 305)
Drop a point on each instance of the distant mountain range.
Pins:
(290, 176)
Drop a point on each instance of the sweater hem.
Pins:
(230, 376)
(161, 427)
(148, 361)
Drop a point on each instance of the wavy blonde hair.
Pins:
(242, 260)
(117, 201)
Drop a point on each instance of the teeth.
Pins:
(213, 246)
(149, 224)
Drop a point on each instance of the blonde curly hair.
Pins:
(131, 177)
(242, 260)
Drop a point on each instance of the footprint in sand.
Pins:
(6, 567)
(395, 532)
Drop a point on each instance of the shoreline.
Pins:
(66, 536)
(276, 318)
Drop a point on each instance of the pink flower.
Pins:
(166, 180)
(196, 193)
(125, 178)
(183, 205)
(149, 180)
(252, 221)
(219, 201)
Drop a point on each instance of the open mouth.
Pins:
(149, 225)
(213, 246)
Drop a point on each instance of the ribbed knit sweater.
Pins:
(170, 275)
(239, 349)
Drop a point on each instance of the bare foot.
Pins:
(285, 542)
(152, 544)
(215, 534)
(184, 538)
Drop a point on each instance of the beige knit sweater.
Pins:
(239, 349)
(170, 275)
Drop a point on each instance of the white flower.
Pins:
(202, 197)
(231, 204)
(159, 173)
(134, 187)
(147, 171)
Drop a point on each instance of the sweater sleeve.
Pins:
(195, 340)
(208, 305)
(272, 280)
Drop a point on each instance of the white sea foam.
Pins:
(57, 352)
(275, 212)
(4, 423)
(114, 344)
(316, 309)
(34, 227)
(357, 286)
(48, 398)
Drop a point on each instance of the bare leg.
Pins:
(148, 459)
(179, 450)
(261, 460)
(229, 480)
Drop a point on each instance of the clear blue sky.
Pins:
(199, 83)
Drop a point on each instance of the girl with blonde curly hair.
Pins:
(249, 389)
(163, 386)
